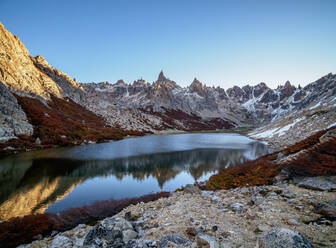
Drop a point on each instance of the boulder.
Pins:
(206, 241)
(111, 232)
(327, 209)
(317, 183)
(127, 235)
(293, 222)
(189, 188)
(139, 243)
(256, 199)
(237, 207)
(263, 228)
(283, 238)
(176, 239)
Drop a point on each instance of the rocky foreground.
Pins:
(283, 215)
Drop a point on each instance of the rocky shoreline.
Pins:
(281, 215)
(293, 208)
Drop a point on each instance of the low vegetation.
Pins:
(22, 230)
(309, 158)
(178, 119)
(63, 122)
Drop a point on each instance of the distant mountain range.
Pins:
(41, 105)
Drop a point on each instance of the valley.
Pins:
(155, 164)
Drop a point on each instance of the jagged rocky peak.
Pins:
(121, 82)
(320, 82)
(161, 77)
(287, 90)
(221, 93)
(33, 76)
(235, 92)
(164, 82)
(196, 83)
(287, 84)
(17, 70)
(140, 82)
(247, 89)
(260, 89)
(198, 87)
(41, 60)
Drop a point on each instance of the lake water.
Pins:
(57, 179)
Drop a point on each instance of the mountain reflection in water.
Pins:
(36, 184)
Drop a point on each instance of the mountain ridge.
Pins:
(31, 86)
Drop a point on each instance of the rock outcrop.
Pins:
(13, 120)
(20, 72)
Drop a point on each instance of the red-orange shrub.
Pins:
(21, 230)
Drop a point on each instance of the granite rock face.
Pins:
(13, 121)
(20, 72)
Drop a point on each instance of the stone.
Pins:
(216, 199)
(38, 237)
(206, 241)
(127, 235)
(291, 201)
(110, 232)
(206, 193)
(61, 241)
(53, 233)
(138, 243)
(103, 237)
(317, 183)
(327, 209)
(324, 221)
(293, 222)
(256, 199)
(225, 245)
(237, 207)
(128, 215)
(191, 231)
(177, 239)
(263, 228)
(288, 195)
(283, 238)
(189, 188)
(117, 223)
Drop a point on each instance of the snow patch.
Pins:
(282, 130)
(277, 130)
(332, 125)
(315, 106)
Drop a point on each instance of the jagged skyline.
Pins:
(220, 43)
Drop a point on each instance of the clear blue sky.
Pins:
(220, 42)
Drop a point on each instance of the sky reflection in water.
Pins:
(57, 179)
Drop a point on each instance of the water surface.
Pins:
(57, 179)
